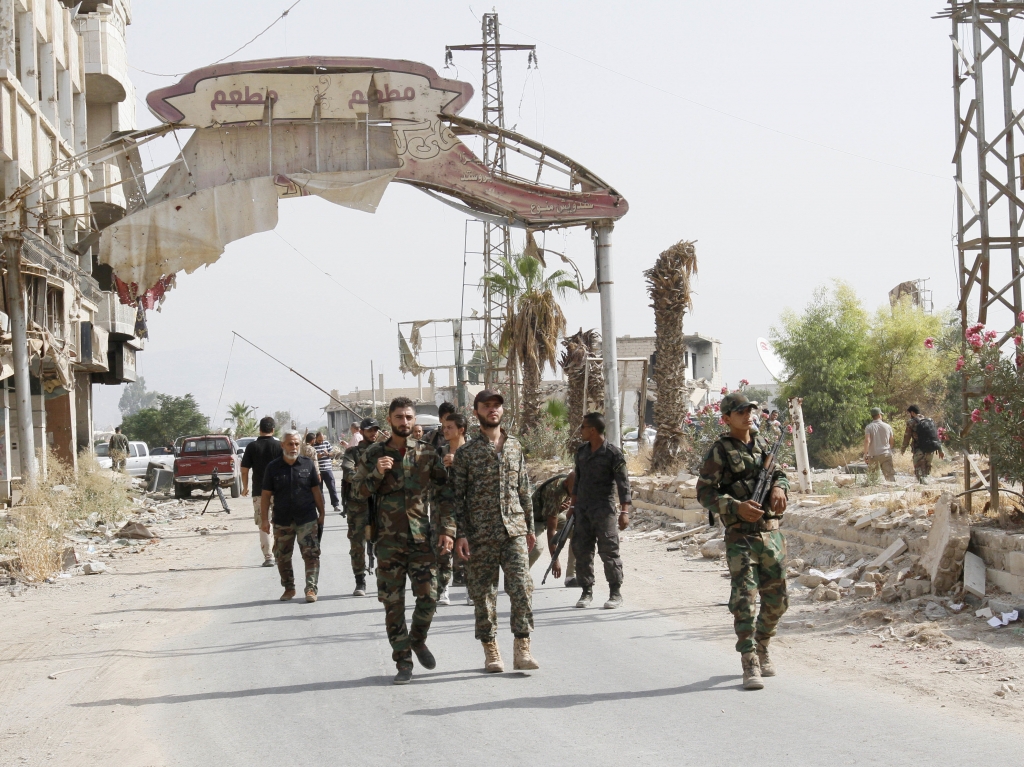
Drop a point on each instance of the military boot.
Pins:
(751, 672)
(614, 599)
(492, 658)
(523, 660)
(586, 597)
(360, 586)
(765, 660)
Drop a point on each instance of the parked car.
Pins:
(242, 443)
(196, 460)
(139, 458)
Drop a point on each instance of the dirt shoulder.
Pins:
(98, 633)
(958, 659)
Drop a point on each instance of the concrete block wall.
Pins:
(1003, 555)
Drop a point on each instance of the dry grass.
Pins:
(639, 464)
(58, 505)
(836, 458)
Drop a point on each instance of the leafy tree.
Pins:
(904, 368)
(282, 422)
(135, 398)
(172, 418)
(533, 323)
(827, 357)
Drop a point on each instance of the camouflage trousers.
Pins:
(600, 528)
(486, 558)
(540, 548)
(397, 559)
(884, 464)
(357, 521)
(757, 566)
(285, 538)
(445, 562)
(922, 464)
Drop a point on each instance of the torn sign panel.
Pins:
(185, 233)
(358, 189)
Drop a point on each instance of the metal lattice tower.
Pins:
(496, 236)
(988, 46)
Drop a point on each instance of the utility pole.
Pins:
(496, 236)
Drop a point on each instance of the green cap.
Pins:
(875, 412)
(735, 401)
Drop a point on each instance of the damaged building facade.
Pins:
(64, 88)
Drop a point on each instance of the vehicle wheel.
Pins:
(236, 490)
(182, 491)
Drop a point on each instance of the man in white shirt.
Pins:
(878, 445)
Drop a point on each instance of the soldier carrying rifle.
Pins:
(740, 482)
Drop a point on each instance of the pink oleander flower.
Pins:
(975, 340)
(959, 364)
(744, 382)
(989, 368)
(943, 434)
(976, 415)
(929, 343)
(990, 335)
(989, 399)
(1020, 318)
(1018, 340)
(790, 428)
(999, 408)
(725, 390)
(974, 329)
(810, 430)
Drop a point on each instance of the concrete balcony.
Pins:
(106, 58)
(114, 317)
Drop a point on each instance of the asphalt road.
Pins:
(247, 680)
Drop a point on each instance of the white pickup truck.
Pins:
(139, 458)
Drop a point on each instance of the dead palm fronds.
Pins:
(577, 349)
(668, 284)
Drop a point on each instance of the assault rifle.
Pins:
(763, 488)
(560, 540)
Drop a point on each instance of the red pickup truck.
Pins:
(196, 461)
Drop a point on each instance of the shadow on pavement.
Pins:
(568, 701)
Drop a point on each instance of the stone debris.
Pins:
(933, 611)
(974, 575)
(94, 568)
(135, 531)
(864, 590)
(713, 549)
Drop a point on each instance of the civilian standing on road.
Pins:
(292, 483)
(117, 449)
(358, 508)
(400, 473)
(494, 516)
(454, 428)
(600, 503)
(878, 445)
(754, 546)
(325, 464)
(923, 435)
(258, 454)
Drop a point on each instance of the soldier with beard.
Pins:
(398, 474)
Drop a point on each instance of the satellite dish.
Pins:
(771, 362)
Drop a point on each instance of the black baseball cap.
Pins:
(487, 394)
(369, 423)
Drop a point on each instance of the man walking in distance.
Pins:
(293, 484)
(257, 455)
(601, 490)
(551, 501)
(494, 516)
(400, 473)
(922, 434)
(357, 508)
(754, 546)
(325, 465)
(878, 445)
(454, 429)
(117, 449)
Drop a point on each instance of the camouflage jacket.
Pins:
(547, 501)
(354, 502)
(729, 475)
(491, 490)
(400, 494)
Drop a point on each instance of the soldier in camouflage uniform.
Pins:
(754, 546)
(494, 517)
(357, 508)
(922, 436)
(399, 473)
(551, 500)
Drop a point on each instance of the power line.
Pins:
(727, 114)
(331, 278)
(237, 50)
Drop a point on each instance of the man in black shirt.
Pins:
(601, 489)
(292, 482)
(255, 459)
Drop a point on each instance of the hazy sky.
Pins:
(796, 142)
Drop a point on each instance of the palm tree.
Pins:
(578, 347)
(532, 323)
(668, 284)
(241, 414)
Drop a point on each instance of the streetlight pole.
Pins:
(609, 352)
